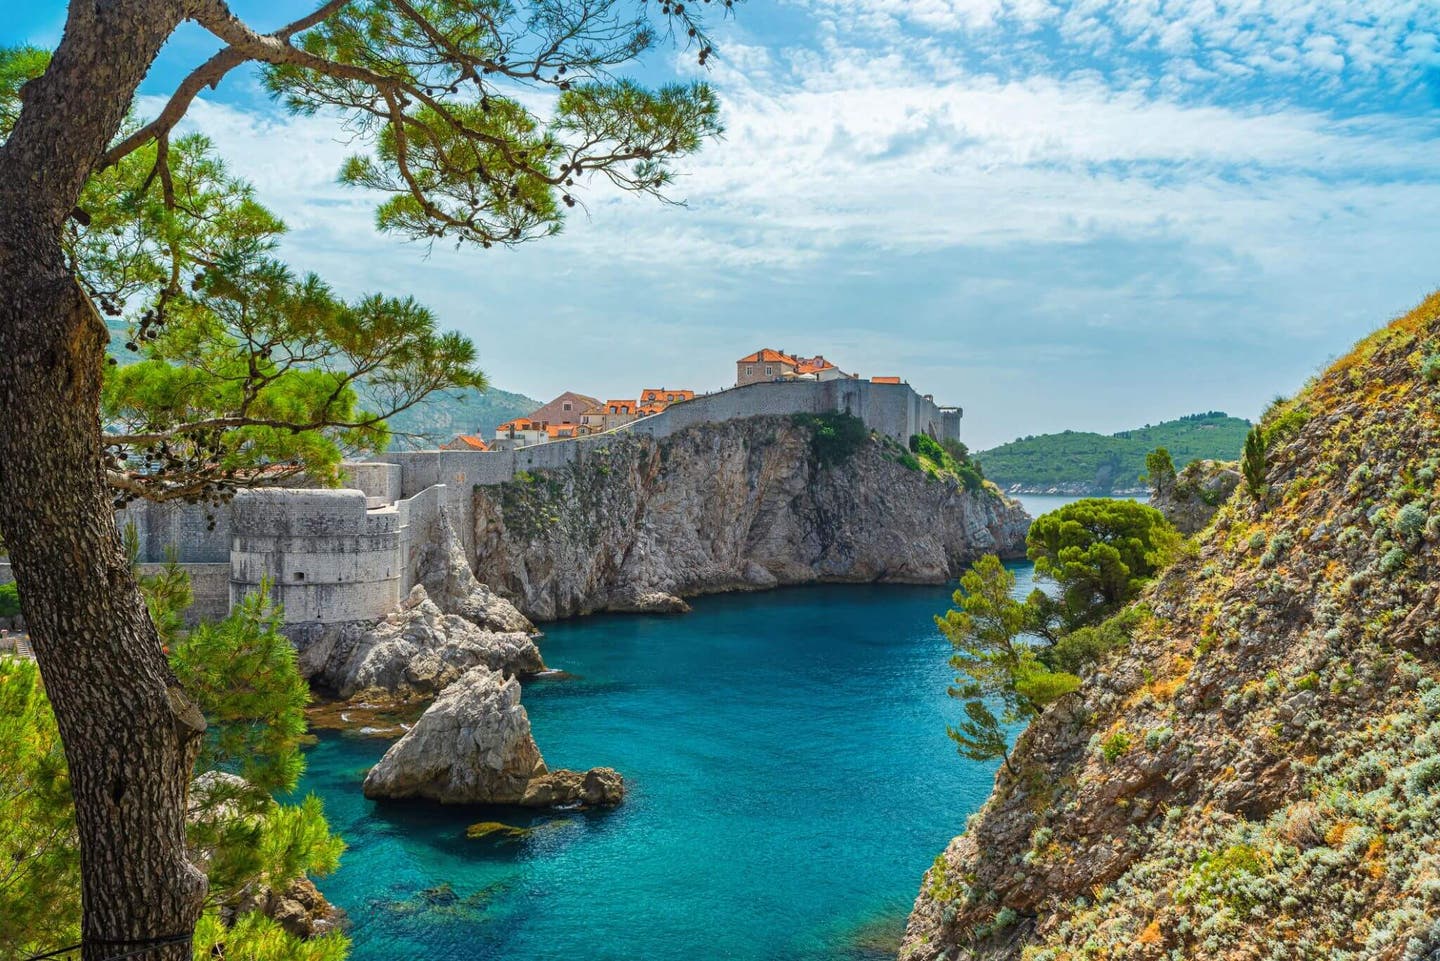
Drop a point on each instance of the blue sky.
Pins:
(1058, 215)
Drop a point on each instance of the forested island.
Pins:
(1081, 462)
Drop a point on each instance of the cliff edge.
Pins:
(736, 505)
(1257, 775)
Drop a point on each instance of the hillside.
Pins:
(442, 416)
(1257, 775)
(1083, 463)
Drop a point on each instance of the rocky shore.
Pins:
(473, 746)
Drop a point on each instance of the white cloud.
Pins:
(891, 204)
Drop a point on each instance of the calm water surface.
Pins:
(789, 781)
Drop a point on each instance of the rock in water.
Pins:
(473, 746)
(447, 578)
(414, 652)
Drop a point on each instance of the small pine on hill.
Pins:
(1081, 462)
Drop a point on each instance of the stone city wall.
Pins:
(351, 554)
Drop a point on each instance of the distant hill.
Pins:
(442, 416)
(1079, 462)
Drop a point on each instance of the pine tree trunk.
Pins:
(130, 734)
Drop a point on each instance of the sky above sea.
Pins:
(1081, 215)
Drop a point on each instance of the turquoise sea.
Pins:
(789, 782)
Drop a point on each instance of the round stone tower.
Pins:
(326, 556)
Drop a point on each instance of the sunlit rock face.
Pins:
(1255, 775)
(637, 525)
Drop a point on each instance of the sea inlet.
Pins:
(789, 782)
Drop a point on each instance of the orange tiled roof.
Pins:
(626, 406)
(560, 430)
(662, 395)
(519, 423)
(768, 356)
(648, 409)
(885, 380)
(470, 441)
(813, 365)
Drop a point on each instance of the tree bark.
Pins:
(130, 733)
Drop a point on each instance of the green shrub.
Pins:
(1410, 521)
(1253, 463)
(834, 438)
(947, 459)
(1116, 745)
(9, 600)
(1430, 367)
(1234, 877)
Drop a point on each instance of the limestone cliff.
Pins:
(736, 505)
(1190, 499)
(1258, 774)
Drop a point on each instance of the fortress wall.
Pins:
(753, 400)
(185, 528)
(327, 558)
(210, 584)
(380, 481)
(419, 517)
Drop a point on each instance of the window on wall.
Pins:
(769, 371)
(749, 371)
(567, 405)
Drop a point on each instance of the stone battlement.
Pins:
(351, 554)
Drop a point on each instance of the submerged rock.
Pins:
(494, 829)
(473, 746)
(415, 651)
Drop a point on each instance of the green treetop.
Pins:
(1098, 553)
(1022, 656)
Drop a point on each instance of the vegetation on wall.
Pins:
(834, 437)
(1117, 461)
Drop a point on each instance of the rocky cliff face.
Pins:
(740, 505)
(1258, 774)
(1195, 495)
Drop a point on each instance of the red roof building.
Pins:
(465, 442)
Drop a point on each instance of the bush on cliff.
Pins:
(1025, 655)
(9, 600)
(951, 459)
(834, 438)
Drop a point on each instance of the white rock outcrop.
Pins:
(473, 746)
(414, 652)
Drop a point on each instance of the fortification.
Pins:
(352, 554)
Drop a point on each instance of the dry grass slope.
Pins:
(1257, 776)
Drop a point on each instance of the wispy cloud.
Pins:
(1001, 236)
